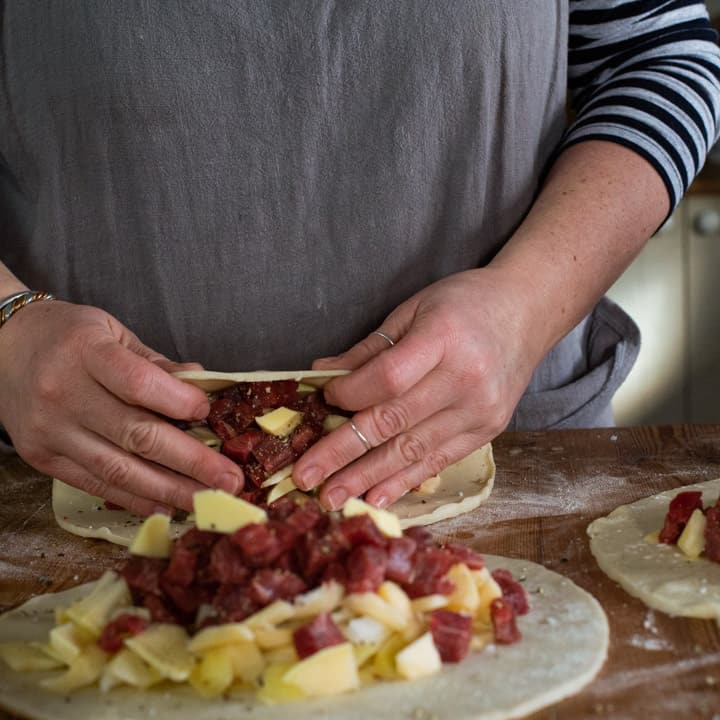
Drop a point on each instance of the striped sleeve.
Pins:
(646, 74)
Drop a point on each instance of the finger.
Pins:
(418, 446)
(169, 366)
(140, 382)
(391, 489)
(111, 466)
(144, 434)
(389, 374)
(357, 355)
(377, 424)
(73, 474)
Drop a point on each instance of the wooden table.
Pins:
(549, 486)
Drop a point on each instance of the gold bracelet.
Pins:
(9, 306)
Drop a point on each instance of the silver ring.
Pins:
(383, 336)
(363, 439)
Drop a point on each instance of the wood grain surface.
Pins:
(550, 486)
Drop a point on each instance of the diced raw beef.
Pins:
(504, 624)
(322, 632)
(115, 632)
(181, 570)
(400, 559)
(679, 512)
(263, 543)
(361, 530)
(240, 447)
(512, 591)
(268, 585)
(463, 554)
(227, 563)
(430, 566)
(451, 633)
(274, 453)
(366, 568)
(143, 574)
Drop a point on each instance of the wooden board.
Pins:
(550, 486)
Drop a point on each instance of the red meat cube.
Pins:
(512, 591)
(361, 530)
(115, 632)
(679, 512)
(366, 568)
(322, 632)
(227, 563)
(269, 585)
(240, 447)
(451, 633)
(503, 620)
(400, 559)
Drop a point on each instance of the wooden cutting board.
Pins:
(550, 485)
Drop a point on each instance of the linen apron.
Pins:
(257, 184)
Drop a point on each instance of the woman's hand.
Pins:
(462, 357)
(78, 397)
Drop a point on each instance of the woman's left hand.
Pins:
(463, 354)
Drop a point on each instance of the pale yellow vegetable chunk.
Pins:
(164, 647)
(419, 659)
(278, 476)
(84, 670)
(280, 422)
(273, 614)
(127, 668)
(319, 600)
(428, 603)
(213, 675)
(205, 435)
(329, 671)
(22, 657)
(247, 661)
(284, 487)
(372, 605)
(221, 512)
(269, 638)
(333, 422)
(274, 689)
(488, 590)
(153, 538)
(66, 643)
(384, 661)
(465, 597)
(92, 613)
(388, 523)
(692, 539)
(219, 635)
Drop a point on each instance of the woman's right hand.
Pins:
(79, 395)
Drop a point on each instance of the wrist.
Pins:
(15, 302)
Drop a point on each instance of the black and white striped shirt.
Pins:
(646, 74)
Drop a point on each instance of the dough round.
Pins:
(463, 486)
(564, 645)
(659, 574)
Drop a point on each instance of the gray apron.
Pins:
(256, 184)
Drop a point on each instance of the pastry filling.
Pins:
(283, 600)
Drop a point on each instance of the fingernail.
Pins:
(337, 497)
(311, 477)
(381, 501)
(229, 482)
